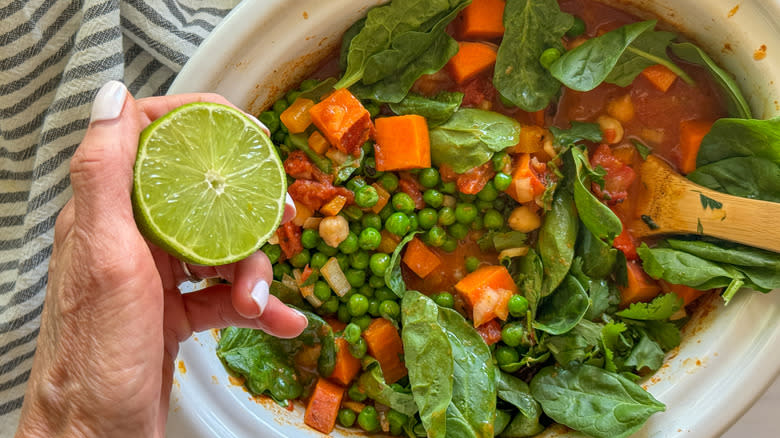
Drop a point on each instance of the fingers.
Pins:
(289, 210)
(213, 308)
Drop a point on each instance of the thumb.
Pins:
(102, 166)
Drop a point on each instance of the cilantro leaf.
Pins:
(662, 307)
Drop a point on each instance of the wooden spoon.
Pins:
(669, 203)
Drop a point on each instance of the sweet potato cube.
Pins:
(471, 60)
(323, 406)
(420, 259)
(347, 366)
(487, 291)
(482, 20)
(402, 143)
(343, 120)
(384, 345)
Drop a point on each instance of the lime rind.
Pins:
(208, 186)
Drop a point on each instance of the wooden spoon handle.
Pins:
(671, 204)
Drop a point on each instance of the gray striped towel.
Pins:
(54, 56)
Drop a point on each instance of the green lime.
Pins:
(208, 184)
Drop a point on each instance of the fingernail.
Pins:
(109, 101)
(305, 319)
(260, 296)
(262, 125)
(290, 203)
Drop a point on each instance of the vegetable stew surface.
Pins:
(463, 173)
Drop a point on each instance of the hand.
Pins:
(113, 317)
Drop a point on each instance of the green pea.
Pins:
(444, 299)
(359, 260)
(386, 211)
(446, 216)
(488, 193)
(397, 223)
(500, 161)
(493, 219)
(308, 84)
(435, 236)
(322, 291)
(376, 281)
(373, 307)
(389, 181)
(350, 244)
(450, 244)
(352, 333)
(353, 212)
(379, 263)
(301, 259)
(389, 309)
(355, 277)
(500, 203)
(518, 306)
(427, 217)
(355, 393)
(577, 28)
(433, 198)
(330, 306)
(549, 56)
(342, 314)
(273, 252)
(372, 220)
(310, 238)
(270, 119)
(403, 203)
(366, 290)
(458, 231)
(358, 349)
(326, 249)
(357, 305)
(466, 197)
(347, 417)
(356, 183)
(292, 96)
(280, 269)
(477, 224)
(413, 222)
(369, 239)
(448, 187)
(396, 420)
(483, 206)
(384, 293)
(362, 321)
(318, 260)
(367, 419)
(279, 106)
(343, 260)
(429, 178)
(366, 197)
(472, 263)
(465, 213)
(514, 334)
(506, 355)
(502, 181)
(355, 227)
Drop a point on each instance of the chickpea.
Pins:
(621, 108)
(524, 219)
(334, 230)
(611, 129)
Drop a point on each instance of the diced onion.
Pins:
(289, 282)
(337, 156)
(274, 239)
(355, 406)
(449, 201)
(513, 252)
(335, 277)
(307, 292)
(312, 223)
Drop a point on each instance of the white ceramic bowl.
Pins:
(729, 355)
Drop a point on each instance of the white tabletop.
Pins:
(762, 420)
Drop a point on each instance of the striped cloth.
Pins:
(54, 56)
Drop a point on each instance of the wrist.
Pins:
(46, 412)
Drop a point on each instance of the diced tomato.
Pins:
(299, 166)
(315, 194)
(290, 239)
(474, 180)
(446, 173)
(618, 179)
(307, 271)
(490, 331)
(626, 243)
(477, 90)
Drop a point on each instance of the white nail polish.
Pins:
(261, 124)
(301, 314)
(289, 202)
(260, 296)
(109, 101)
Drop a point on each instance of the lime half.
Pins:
(208, 184)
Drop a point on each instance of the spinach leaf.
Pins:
(563, 309)
(393, 278)
(598, 257)
(346, 42)
(643, 149)
(317, 332)
(436, 110)
(610, 337)
(728, 252)
(730, 138)
(661, 308)
(529, 278)
(522, 426)
(665, 333)
(531, 27)
(648, 49)
(428, 357)
(578, 132)
(501, 422)
(679, 267)
(515, 391)
(373, 384)
(604, 298)
(286, 294)
(597, 217)
(747, 177)
(586, 66)
(557, 237)
(577, 345)
(348, 167)
(384, 27)
(645, 354)
(470, 137)
(450, 367)
(735, 101)
(593, 401)
(319, 91)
